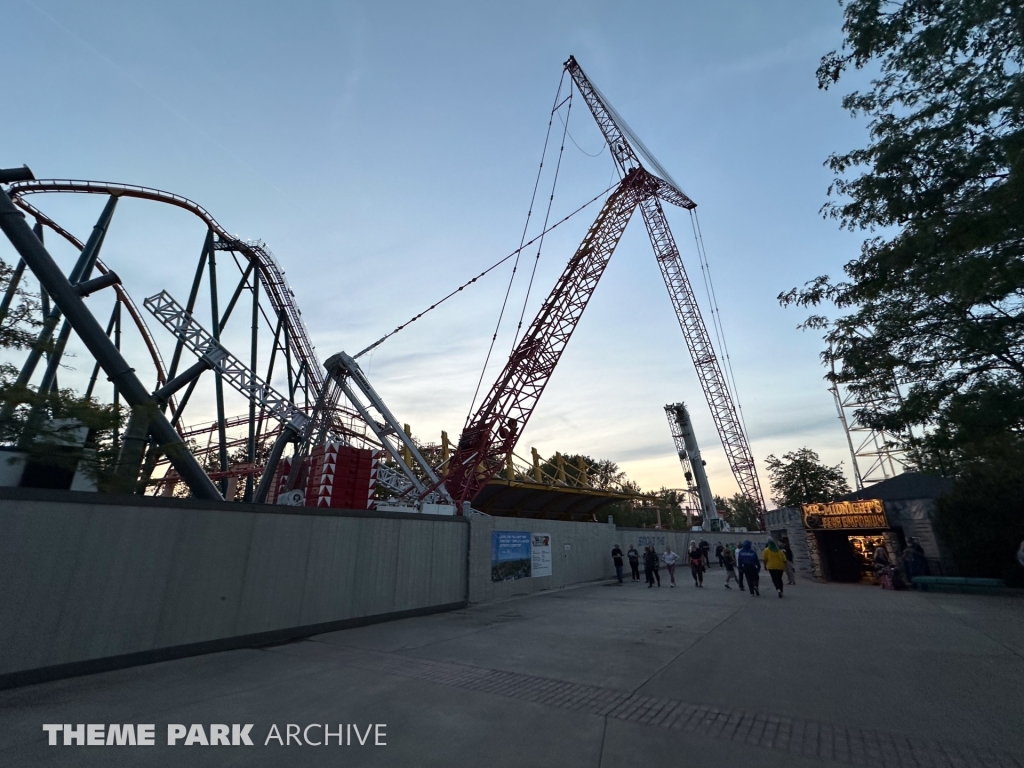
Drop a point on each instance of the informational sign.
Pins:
(845, 515)
(541, 554)
(510, 555)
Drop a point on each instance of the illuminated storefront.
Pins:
(846, 535)
(836, 541)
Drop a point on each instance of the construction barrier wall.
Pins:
(91, 582)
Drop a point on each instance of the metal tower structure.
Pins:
(875, 455)
(492, 431)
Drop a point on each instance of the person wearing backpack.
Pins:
(729, 563)
(750, 565)
(634, 562)
(650, 566)
(696, 555)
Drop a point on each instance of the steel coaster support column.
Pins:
(176, 416)
(91, 333)
(234, 296)
(79, 274)
(133, 447)
(253, 362)
(288, 361)
(191, 304)
(12, 289)
(287, 434)
(19, 270)
(712, 380)
(83, 266)
(491, 433)
(96, 366)
(154, 452)
(343, 369)
(270, 372)
(117, 392)
(303, 441)
(218, 378)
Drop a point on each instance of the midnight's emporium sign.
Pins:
(845, 515)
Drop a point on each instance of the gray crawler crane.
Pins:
(689, 456)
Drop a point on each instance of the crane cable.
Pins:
(491, 268)
(515, 267)
(716, 315)
(547, 214)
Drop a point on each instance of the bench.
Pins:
(959, 584)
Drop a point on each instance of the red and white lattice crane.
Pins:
(493, 429)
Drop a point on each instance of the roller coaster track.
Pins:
(282, 299)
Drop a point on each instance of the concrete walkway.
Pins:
(597, 676)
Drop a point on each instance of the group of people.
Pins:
(740, 565)
(912, 561)
(651, 562)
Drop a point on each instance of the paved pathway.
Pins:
(595, 676)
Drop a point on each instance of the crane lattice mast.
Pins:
(492, 431)
(663, 187)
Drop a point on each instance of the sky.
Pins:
(386, 152)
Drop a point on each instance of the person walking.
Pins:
(750, 566)
(696, 555)
(634, 562)
(882, 563)
(657, 565)
(671, 558)
(729, 563)
(718, 553)
(706, 549)
(617, 560)
(775, 562)
(790, 569)
(650, 558)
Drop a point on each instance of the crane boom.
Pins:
(492, 431)
(709, 372)
(689, 456)
(621, 141)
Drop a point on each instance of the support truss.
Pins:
(201, 343)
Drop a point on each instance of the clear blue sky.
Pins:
(386, 151)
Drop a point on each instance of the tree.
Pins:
(982, 519)
(935, 302)
(739, 512)
(799, 477)
(57, 429)
(19, 319)
(665, 504)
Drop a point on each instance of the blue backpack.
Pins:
(746, 557)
